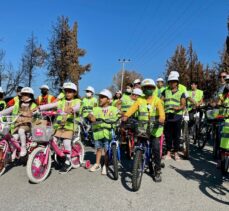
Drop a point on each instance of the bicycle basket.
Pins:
(42, 133)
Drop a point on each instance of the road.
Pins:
(187, 185)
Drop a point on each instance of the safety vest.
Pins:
(16, 111)
(87, 105)
(66, 121)
(195, 95)
(102, 130)
(224, 144)
(159, 91)
(2, 105)
(172, 100)
(127, 102)
(42, 101)
(148, 117)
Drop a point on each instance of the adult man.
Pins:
(16, 98)
(45, 98)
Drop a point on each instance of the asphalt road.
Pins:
(187, 185)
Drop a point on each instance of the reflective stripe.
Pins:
(172, 99)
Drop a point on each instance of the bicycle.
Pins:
(185, 142)
(114, 155)
(143, 159)
(39, 161)
(9, 147)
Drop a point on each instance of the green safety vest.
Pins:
(87, 105)
(17, 109)
(102, 130)
(3, 105)
(159, 91)
(67, 122)
(224, 144)
(172, 100)
(148, 117)
(198, 95)
(127, 102)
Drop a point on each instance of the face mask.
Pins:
(44, 92)
(148, 92)
(88, 94)
(128, 90)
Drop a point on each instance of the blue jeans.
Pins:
(103, 143)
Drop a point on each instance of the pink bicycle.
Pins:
(9, 147)
(39, 161)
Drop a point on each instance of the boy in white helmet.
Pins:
(25, 107)
(68, 106)
(150, 115)
(88, 102)
(160, 86)
(2, 101)
(101, 131)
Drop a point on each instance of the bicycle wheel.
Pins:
(224, 165)
(203, 135)
(137, 171)
(114, 161)
(186, 140)
(36, 171)
(2, 160)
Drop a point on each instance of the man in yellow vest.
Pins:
(45, 98)
(150, 115)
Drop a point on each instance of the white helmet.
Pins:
(148, 82)
(44, 87)
(27, 90)
(173, 78)
(174, 73)
(136, 81)
(137, 91)
(70, 85)
(160, 79)
(91, 89)
(107, 93)
(1, 90)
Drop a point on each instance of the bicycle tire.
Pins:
(137, 171)
(2, 162)
(114, 161)
(203, 136)
(186, 141)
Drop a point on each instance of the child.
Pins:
(65, 124)
(23, 107)
(101, 131)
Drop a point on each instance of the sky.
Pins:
(144, 31)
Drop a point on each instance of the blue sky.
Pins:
(145, 31)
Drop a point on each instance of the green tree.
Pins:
(64, 53)
(33, 57)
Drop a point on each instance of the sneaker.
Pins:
(95, 167)
(176, 157)
(104, 170)
(65, 168)
(157, 177)
(167, 157)
(23, 152)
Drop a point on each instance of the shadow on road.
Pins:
(211, 182)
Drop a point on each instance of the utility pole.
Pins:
(123, 61)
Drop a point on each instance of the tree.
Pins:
(227, 40)
(129, 77)
(63, 58)
(2, 66)
(33, 57)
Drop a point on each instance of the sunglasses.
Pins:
(224, 76)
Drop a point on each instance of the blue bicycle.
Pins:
(114, 155)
